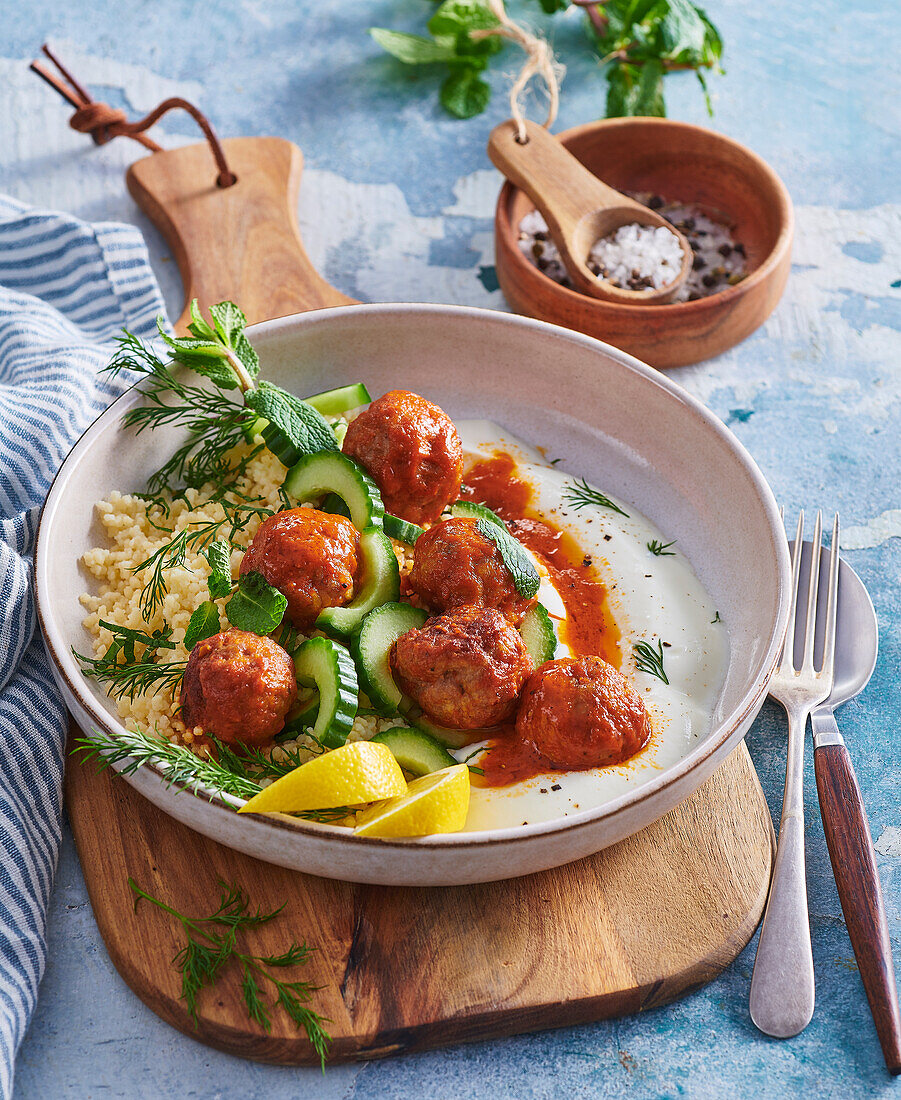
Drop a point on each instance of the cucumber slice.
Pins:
(328, 666)
(334, 505)
(400, 529)
(468, 509)
(380, 584)
(325, 472)
(341, 400)
(300, 722)
(539, 634)
(454, 739)
(415, 751)
(371, 648)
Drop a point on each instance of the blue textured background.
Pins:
(397, 205)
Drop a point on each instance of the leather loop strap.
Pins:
(104, 123)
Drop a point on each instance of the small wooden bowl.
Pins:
(682, 163)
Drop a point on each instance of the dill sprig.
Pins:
(581, 495)
(660, 549)
(650, 660)
(216, 423)
(127, 674)
(181, 767)
(212, 943)
(171, 555)
(237, 774)
(254, 764)
(193, 539)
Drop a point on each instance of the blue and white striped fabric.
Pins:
(67, 288)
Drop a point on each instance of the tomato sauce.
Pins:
(589, 627)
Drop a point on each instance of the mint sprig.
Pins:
(463, 93)
(637, 41)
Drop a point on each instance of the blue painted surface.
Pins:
(815, 396)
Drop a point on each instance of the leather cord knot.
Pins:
(99, 120)
(104, 123)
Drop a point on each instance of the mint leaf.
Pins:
(210, 350)
(203, 355)
(219, 582)
(456, 17)
(464, 94)
(636, 90)
(516, 561)
(256, 606)
(295, 428)
(204, 623)
(198, 326)
(412, 49)
(230, 322)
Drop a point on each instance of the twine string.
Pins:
(104, 123)
(540, 61)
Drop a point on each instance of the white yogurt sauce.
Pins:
(652, 598)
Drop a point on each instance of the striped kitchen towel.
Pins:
(67, 288)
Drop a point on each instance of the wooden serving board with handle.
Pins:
(632, 927)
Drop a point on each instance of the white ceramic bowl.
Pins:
(618, 422)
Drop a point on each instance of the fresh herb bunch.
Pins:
(637, 41)
(212, 943)
(216, 421)
(463, 92)
(229, 411)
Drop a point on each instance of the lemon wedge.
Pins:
(436, 803)
(358, 772)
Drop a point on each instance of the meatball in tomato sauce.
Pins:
(411, 450)
(238, 687)
(579, 712)
(455, 564)
(465, 669)
(310, 557)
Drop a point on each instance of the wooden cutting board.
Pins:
(630, 928)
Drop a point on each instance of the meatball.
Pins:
(309, 556)
(455, 564)
(412, 451)
(464, 669)
(579, 712)
(238, 687)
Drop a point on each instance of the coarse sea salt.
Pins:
(718, 260)
(639, 257)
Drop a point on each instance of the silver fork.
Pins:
(782, 987)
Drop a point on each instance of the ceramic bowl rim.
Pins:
(66, 669)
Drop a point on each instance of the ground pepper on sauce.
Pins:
(589, 627)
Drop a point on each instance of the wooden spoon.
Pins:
(578, 207)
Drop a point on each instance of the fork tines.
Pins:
(813, 583)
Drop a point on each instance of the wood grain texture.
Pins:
(240, 242)
(857, 878)
(684, 163)
(630, 928)
(579, 208)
